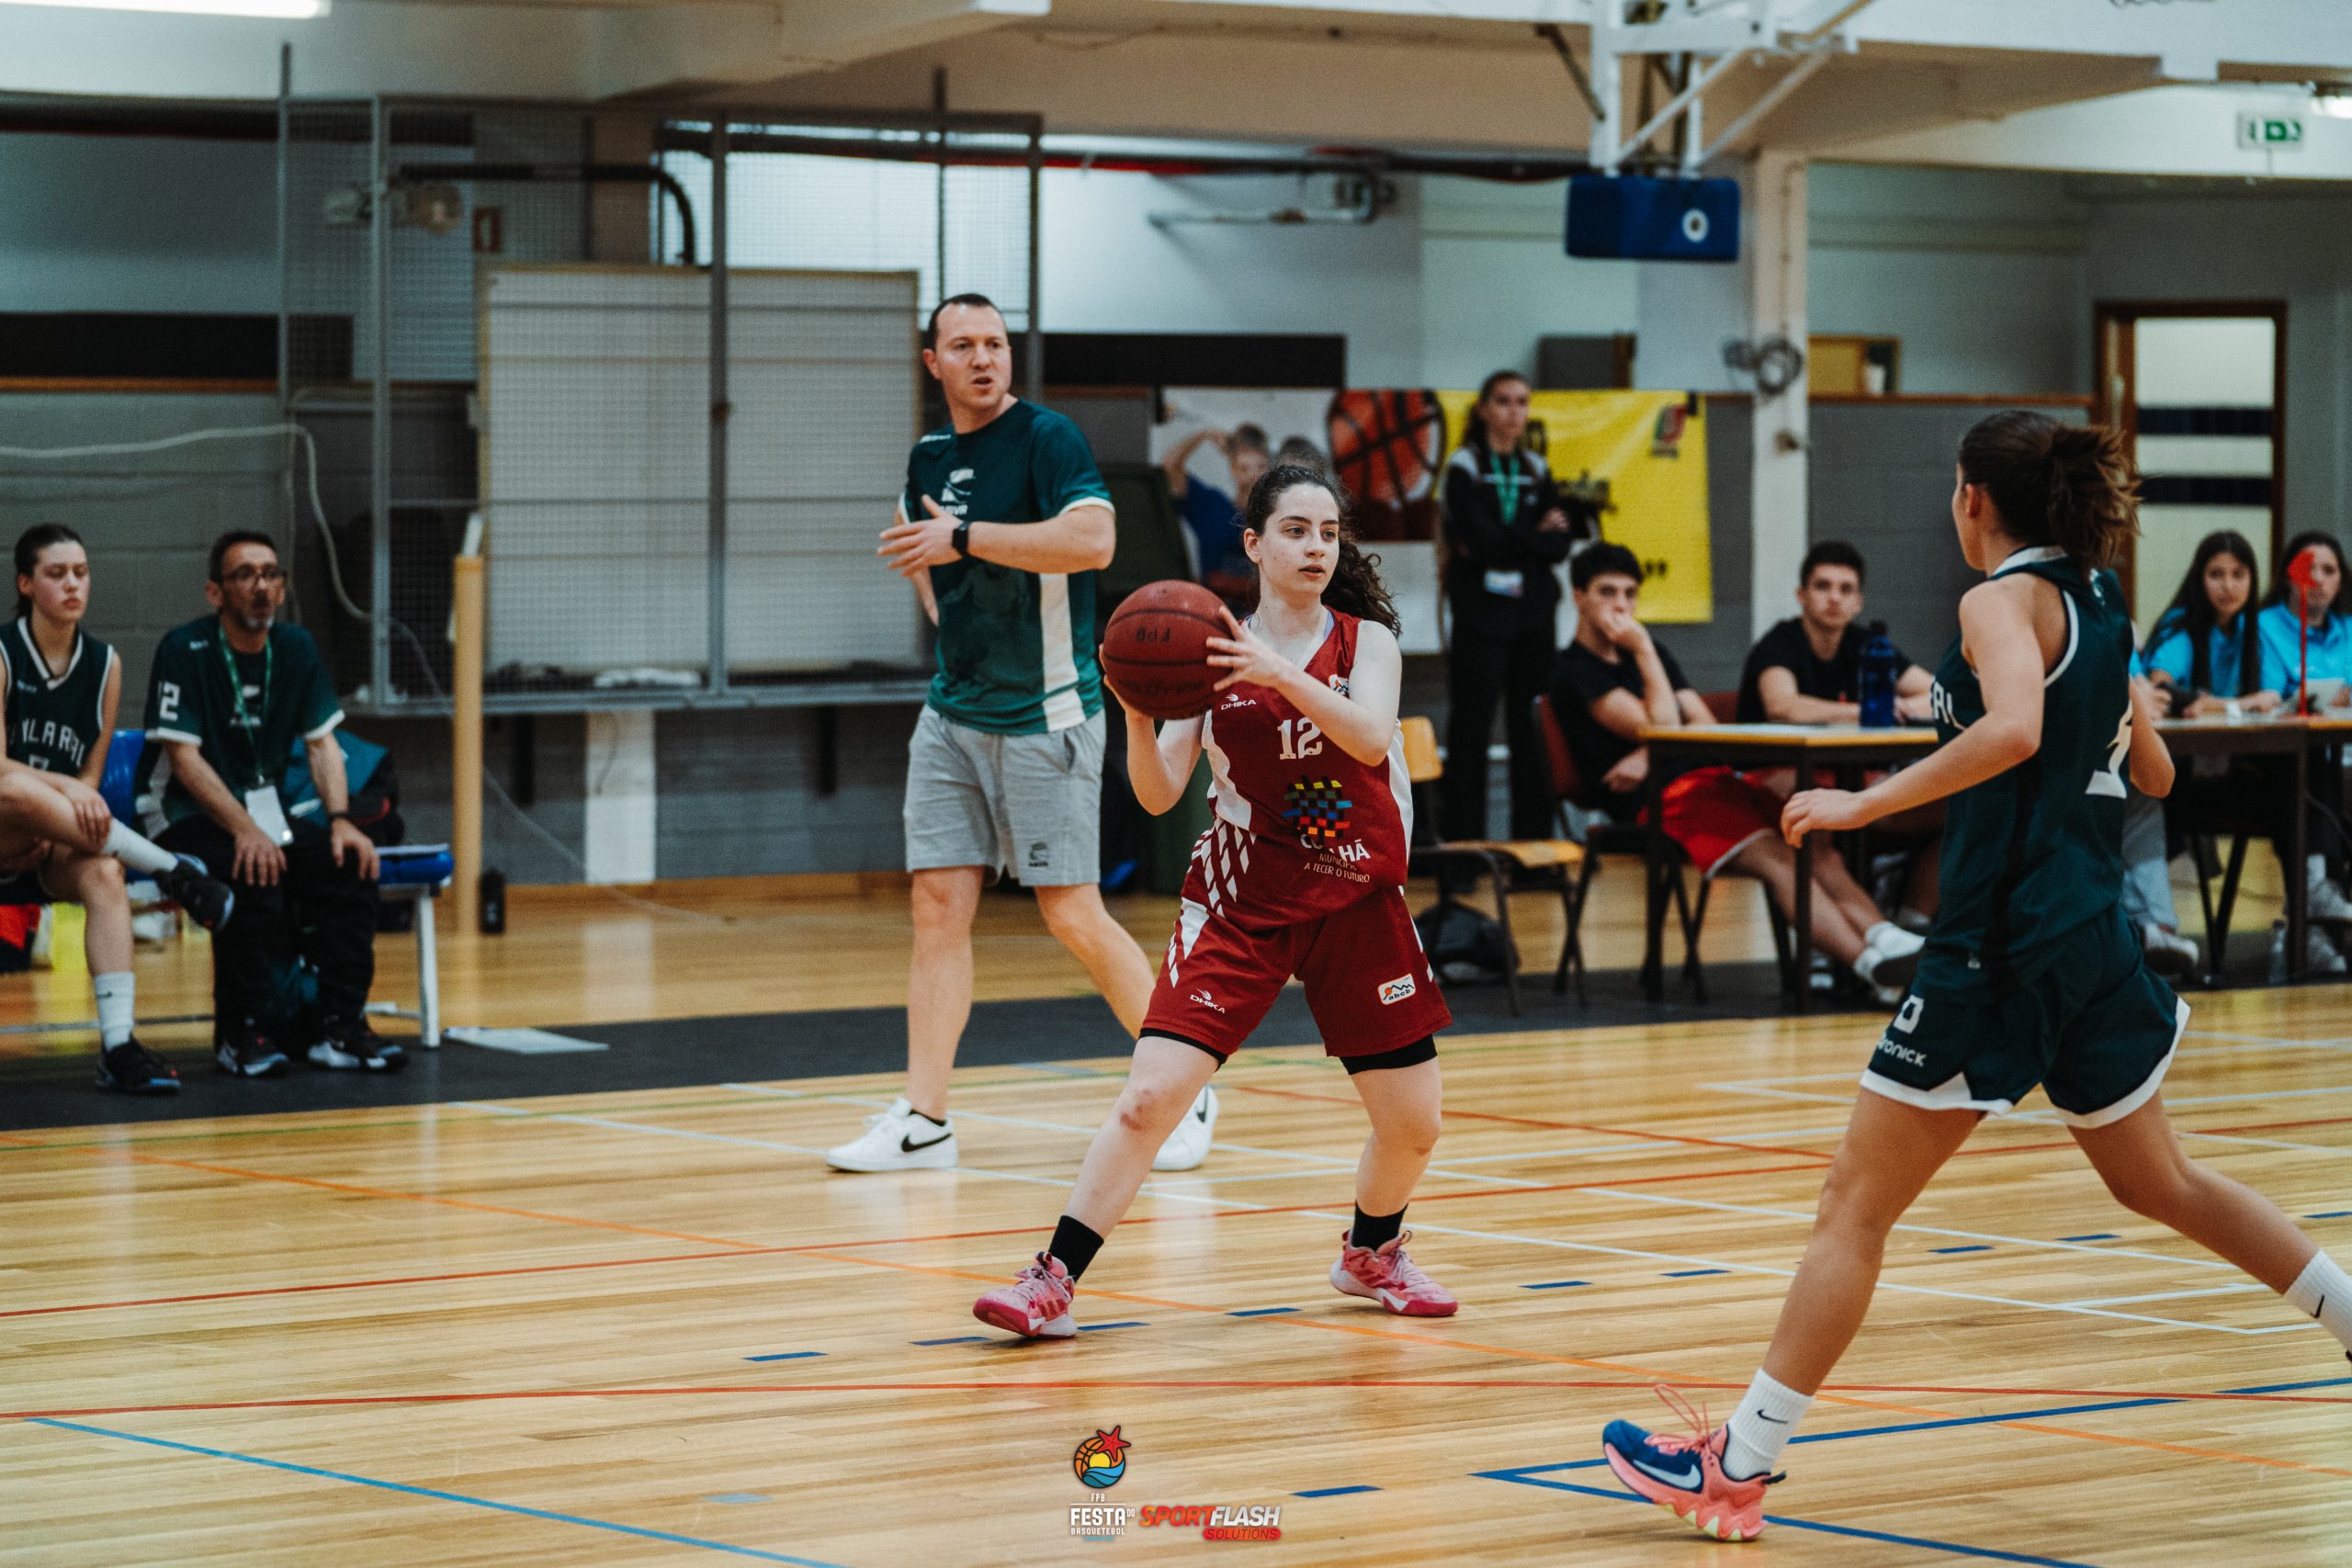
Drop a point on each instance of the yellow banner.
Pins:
(1643, 457)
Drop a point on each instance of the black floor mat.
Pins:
(55, 1091)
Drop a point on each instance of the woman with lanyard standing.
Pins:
(1505, 530)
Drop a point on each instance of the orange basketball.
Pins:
(1155, 649)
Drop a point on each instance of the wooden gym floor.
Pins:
(649, 1327)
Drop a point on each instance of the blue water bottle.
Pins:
(1878, 674)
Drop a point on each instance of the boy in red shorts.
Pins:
(1613, 681)
(1301, 873)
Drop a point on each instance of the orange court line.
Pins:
(1032, 1385)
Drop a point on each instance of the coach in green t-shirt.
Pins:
(230, 697)
(1001, 527)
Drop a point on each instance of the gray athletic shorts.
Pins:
(1031, 805)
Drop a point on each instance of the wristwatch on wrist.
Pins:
(962, 539)
(339, 815)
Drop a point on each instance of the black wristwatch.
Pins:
(340, 817)
(962, 539)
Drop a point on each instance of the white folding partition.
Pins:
(596, 414)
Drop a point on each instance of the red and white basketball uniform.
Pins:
(1302, 873)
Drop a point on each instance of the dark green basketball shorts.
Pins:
(2088, 1022)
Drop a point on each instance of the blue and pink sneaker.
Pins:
(1685, 1475)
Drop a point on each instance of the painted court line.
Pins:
(1922, 1542)
(439, 1495)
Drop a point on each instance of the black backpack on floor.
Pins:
(1464, 945)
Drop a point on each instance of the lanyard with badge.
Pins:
(262, 802)
(1507, 478)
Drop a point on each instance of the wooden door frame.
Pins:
(2114, 316)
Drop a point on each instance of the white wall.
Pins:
(1981, 272)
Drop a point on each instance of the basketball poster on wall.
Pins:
(1643, 457)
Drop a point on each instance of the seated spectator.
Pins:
(228, 697)
(1213, 515)
(1614, 681)
(1808, 669)
(2216, 656)
(2323, 636)
(2206, 650)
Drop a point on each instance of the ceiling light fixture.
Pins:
(281, 10)
(2334, 102)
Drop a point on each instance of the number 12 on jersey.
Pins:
(1306, 743)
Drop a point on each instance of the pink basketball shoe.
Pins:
(1387, 1276)
(1684, 1474)
(1036, 1305)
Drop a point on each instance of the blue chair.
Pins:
(413, 873)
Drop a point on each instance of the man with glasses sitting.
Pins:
(229, 696)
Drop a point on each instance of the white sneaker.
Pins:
(2320, 955)
(2168, 953)
(1890, 956)
(898, 1139)
(1188, 1145)
(2326, 902)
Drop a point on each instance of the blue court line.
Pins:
(2095, 1235)
(1261, 1312)
(1334, 1491)
(1782, 1519)
(786, 1356)
(2331, 1214)
(1693, 1273)
(1555, 1285)
(440, 1496)
(1972, 1246)
(958, 1339)
(1098, 1327)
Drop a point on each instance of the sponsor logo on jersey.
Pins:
(1340, 684)
(1201, 997)
(1353, 853)
(1940, 700)
(1319, 812)
(1908, 1019)
(1396, 991)
(1887, 1047)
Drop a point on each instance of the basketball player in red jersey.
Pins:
(1303, 873)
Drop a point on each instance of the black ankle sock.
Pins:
(1376, 1230)
(934, 1121)
(1075, 1246)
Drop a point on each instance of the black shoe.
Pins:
(354, 1044)
(208, 900)
(131, 1068)
(247, 1053)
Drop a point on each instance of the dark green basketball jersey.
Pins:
(53, 721)
(2033, 852)
(1016, 649)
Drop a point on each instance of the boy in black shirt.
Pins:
(1808, 669)
(1613, 681)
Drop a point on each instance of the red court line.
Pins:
(975, 1385)
(1560, 1126)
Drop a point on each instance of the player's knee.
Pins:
(102, 872)
(2157, 1192)
(1151, 1109)
(1068, 914)
(940, 902)
(1415, 1130)
(1848, 1210)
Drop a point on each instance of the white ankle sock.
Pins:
(117, 1004)
(139, 853)
(2324, 1291)
(1761, 1426)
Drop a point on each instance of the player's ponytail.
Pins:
(29, 544)
(2069, 485)
(1356, 589)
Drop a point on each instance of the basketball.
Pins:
(1156, 652)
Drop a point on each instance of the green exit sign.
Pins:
(2270, 132)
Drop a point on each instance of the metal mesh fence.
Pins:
(506, 315)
